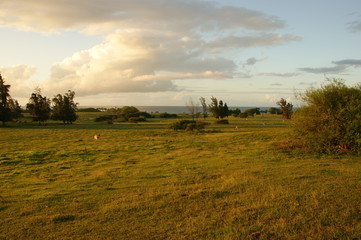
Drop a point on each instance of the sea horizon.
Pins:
(172, 109)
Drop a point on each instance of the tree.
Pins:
(218, 109)
(192, 108)
(16, 111)
(223, 109)
(5, 111)
(235, 112)
(39, 106)
(273, 110)
(204, 107)
(286, 108)
(213, 107)
(64, 108)
(330, 120)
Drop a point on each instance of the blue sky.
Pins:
(142, 52)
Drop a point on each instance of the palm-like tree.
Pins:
(5, 112)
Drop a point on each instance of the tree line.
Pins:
(219, 109)
(61, 107)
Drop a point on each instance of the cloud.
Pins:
(18, 77)
(349, 62)
(260, 40)
(253, 61)
(340, 67)
(355, 26)
(148, 45)
(95, 16)
(273, 74)
(136, 62)
(335, 69)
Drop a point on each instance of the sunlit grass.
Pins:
(144, 181)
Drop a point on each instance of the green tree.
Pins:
(223, 110)
(330, 119)
(273, 110)
(213, 107)
(235, 112)
(250, 112)
(39, 106)
(5, 111)
(15, 108)
(129, 111)
(65, 108)
(286, 108)
(218, 109)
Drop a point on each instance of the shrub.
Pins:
(167, 115)
(188, 125)
(252, 111)
(137, 119)
(222, 121)
(106, 118)
(88, 110)
(245, 115)
(330, 121)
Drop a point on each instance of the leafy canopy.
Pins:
(330, 120)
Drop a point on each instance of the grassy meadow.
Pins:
(145, 181)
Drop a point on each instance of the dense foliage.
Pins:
(330, 121)
(286, 108)
(65, 108)
(88, 110)
(39, 107)
(218, 109)
(188, 125)
(5, 112)
(168, 115)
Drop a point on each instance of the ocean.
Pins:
(175, 109)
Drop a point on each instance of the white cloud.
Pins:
(148, 44)
(18, 77)
(93, 15)
(136, 62)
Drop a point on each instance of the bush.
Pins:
(330, 121)
(137, 119)
(167, 115)
(88, 110)
(106, 118)
(222, 121)
(188, 125)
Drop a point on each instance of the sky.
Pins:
(168, 52)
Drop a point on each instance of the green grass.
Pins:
(144, 181)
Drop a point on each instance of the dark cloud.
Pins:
(349, 62)
(336, 69)
(340, 66)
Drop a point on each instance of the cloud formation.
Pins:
(355, 26)
(148, 44)
(340, 67)
(284, 75)
(18, 77)
(44, 15)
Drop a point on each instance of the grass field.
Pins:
(144, 181)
